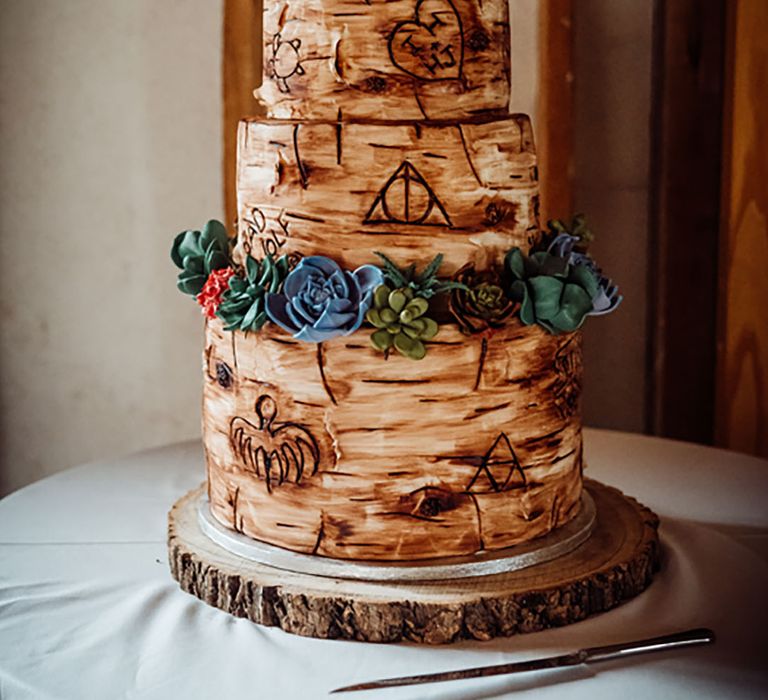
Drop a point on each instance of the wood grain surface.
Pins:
(476, 447)
(617, 563)
(417, 59)
(742, 362)
(467, 189)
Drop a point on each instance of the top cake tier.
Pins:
(385, 59)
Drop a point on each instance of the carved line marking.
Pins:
(338, 138)
(304, 217)
(481, 363)
(234, 350)
(282, 446)
(479, 520)
(320, 533)
(469, 159)
(302, 171)
(321, 367)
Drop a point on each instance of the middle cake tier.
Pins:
(468, 190)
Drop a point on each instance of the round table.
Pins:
(88, 608)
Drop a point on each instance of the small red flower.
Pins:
(210, 296)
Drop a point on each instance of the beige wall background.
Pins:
(110, 133)
(110, 141)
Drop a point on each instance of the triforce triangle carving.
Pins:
(406, 198)
(498, 469)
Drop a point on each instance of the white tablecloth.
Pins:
(88, 608)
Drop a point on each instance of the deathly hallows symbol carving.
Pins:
(275, 451)
(407, 198)
(497, 469)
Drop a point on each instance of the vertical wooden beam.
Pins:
(555, 109)
(241, 75)
(742, 358)
(685, 212)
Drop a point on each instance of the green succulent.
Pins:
(551, 291)
(398, 314)
(198, 253)
(424, 284)
(242, 305)
(577, 227)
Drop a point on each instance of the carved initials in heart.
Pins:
(431, 45)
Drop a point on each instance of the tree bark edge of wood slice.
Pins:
(615, 564)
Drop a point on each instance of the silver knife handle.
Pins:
(643, 646)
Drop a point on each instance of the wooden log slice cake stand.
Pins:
(615, 563)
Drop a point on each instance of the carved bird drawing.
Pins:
(275, 451)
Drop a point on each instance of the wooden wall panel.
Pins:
(241, 67)
(555, 106)
(742, 360)
(685, 215)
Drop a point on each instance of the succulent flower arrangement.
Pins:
(557, 286)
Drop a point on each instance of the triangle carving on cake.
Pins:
(407, 198)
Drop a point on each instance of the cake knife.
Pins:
(591, 655)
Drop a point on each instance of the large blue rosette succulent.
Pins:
(320, 301)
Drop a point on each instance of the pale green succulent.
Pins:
(399, 316)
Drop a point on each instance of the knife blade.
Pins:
(675, 640)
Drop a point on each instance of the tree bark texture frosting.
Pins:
(332, 450)
(418, 59)
(411, 189)
(388, 131)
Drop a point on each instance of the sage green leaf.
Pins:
(417, 306)
(249, 317)
(414, 349)
(214, 232)
(574, 306)
(431, 269)
(374, 318)
(546, 296)
(394, 328)
(194, 263)
(252, 269)
(381, 296)
(397, 300)
(381, 340)
(258, 322)
(189, 245)
(388, 316)
(520, 293)
(237, 284)
(431, 329)
(514, 263)
(412, 332)
(191, 285)
(585, 278)
(419, 324)
(215, 259)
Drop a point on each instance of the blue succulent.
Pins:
(606, 298)
(320, 301)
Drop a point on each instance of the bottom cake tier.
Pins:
(333, 450)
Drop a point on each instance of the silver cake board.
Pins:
(484, 563)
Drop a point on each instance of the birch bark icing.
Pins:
(388, 131)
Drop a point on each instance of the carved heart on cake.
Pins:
(431, 45)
